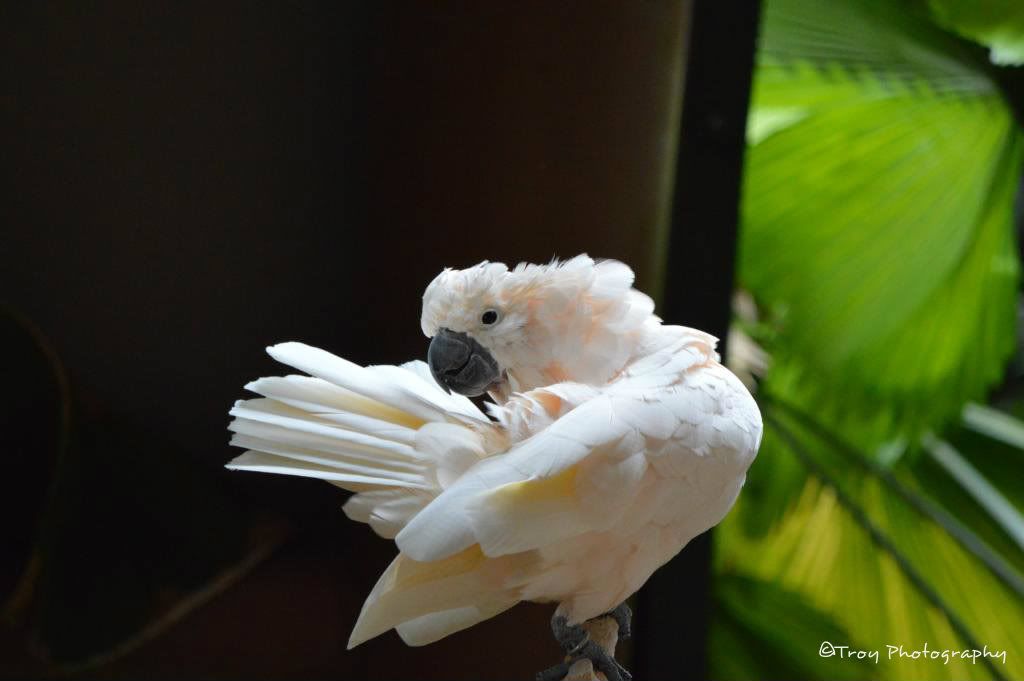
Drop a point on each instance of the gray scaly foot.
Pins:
(576, 643)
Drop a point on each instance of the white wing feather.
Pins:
(384, 432)
(477, 508)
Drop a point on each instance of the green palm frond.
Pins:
(877, 239)
(978, 486)
(997, 556)
(884, 572)
(877, 213)
(764, 631)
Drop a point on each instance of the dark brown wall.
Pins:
(185, 184)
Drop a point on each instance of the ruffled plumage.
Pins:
(615, 442)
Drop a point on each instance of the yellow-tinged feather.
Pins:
(371, 407)
(412, 573)
(557, 487)
(410, 589)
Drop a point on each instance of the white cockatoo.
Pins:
(613, 440)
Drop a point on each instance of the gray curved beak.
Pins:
(461, 364)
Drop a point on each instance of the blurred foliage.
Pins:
(767, 627)
(876, 213)
(997, 24)
(878, 243)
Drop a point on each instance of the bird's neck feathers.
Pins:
(585, 324)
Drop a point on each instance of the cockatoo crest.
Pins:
(577, 320)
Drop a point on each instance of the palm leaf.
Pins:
(876, 213)
(762, 630)
(908, 491)
(881, 570)
(978, 486)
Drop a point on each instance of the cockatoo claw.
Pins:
(571, 637)
(577, 644)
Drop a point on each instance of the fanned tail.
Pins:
(388, 433)
(397, 440)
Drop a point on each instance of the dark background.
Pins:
(184, 184)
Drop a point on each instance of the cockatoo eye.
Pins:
(489, 317)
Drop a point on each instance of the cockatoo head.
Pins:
(494, 328)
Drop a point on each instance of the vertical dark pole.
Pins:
(674, 607)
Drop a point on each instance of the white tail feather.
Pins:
(263, 462)
(432, 600)
(404, 391)
(266, 415)
(361, 428)
(394, 437)
(435, 626)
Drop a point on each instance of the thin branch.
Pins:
(882, 541)
(965, 536)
